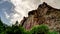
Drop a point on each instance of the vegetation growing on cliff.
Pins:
(14, 29)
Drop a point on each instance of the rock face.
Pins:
(44, 14)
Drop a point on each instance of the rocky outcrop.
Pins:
(44, 14)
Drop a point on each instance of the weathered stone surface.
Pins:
(44, 14)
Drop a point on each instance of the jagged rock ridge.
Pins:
(44, 14)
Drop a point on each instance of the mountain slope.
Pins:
(44, 14)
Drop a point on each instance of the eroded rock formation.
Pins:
(44, 14)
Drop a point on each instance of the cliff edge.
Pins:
(44, 14)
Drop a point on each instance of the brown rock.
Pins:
(44, 14)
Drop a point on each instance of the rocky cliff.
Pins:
(44, 14)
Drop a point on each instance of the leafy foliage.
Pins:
(15, 29)
(54, 32)
(41, 29)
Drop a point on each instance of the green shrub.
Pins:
(41, 29)
(54, 32)
(14, 29)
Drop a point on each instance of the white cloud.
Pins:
(22, 7)
(15, 17)
(53, 3)
(7, 16)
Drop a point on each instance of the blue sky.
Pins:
(5, 7)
